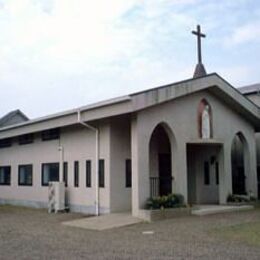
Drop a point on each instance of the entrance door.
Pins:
(165, 175)
(238, 181)
(258, 180)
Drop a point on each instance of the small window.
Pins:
(206, 173)
(5, 175)
(128, 173)
(51, 134)
(217, 173)
(65, 173)
(26, 139)
(50, 172)
(25, 175)
(88, 173)
(101, 171)
(7, 142)
(76, 174)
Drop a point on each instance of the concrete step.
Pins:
(216, 209)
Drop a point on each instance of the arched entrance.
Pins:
(238, 161)
(160, 162)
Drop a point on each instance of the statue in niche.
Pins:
(205, 123)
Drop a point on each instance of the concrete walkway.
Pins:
(202, 210)
(104, 222)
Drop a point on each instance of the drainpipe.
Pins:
(96, 158)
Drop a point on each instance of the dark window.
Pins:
(206, 173)
(101, 171)
(26, 139)
(88, 173)
(76, 173)
(65, 173)
(128, 173)
(5, 175)
(50, 172)
(51, 134)
(217, 173)
(6, 142)
(25, 175)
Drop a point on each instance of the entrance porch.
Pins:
(204, 167)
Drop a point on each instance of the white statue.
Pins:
(205, 123)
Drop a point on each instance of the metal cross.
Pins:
(199, 36)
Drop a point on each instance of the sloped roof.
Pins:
(142, 100)
(250, 89)
(13, 117)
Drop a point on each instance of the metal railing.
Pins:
(160, 186)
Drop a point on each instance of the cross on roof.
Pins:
(199, 36)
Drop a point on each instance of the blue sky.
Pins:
(60, 54)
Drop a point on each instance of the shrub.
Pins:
(169, 201)
(240, 198)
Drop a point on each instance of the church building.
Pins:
(198, 137)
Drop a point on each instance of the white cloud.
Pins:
(246, 33)
(87, 50)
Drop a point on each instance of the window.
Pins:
(206, 173)
(65, 173)
(26, 139)
(50, 172)
(128, 173)
(88, 173)
(217, 173)
(76, 174)
(51, 134)
(5, 175)
(25, 175)
(7, 142)
(101, 171)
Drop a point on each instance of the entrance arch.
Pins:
(239, 162)
(160, 161)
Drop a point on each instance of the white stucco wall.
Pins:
(79, 145)
(120, 150)
(182, 118)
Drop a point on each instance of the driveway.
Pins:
(35, 234)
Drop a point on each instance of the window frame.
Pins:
(206, 173)
(5, 183)
(76, 174)
(6, 142)
(88, 173)
(128, 173)
(101, 173)
(50, 134)
(19, 174)
(65, 173)
(52, 163)
(26, 139)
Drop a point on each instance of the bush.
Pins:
(169, 201)
(240, 198)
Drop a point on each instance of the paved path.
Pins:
(104, 222)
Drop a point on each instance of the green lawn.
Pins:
(247, 233)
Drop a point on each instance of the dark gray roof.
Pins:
(12, 118)
(199, 71)
(250, 89)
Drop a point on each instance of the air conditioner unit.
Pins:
(56, 196)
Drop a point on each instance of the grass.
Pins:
(248, 233)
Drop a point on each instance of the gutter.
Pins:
(96, 130)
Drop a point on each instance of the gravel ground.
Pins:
(35, 234)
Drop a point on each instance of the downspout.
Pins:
(96, 158)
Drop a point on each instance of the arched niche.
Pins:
(161, 144)
(239, 163)
(205, 120)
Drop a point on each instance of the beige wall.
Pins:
(78, 145)
(120, 150)
(181, 117)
